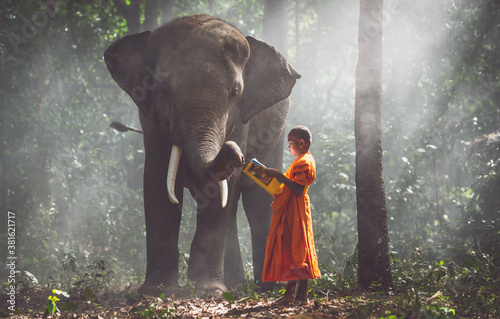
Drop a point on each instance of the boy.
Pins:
(290, 252)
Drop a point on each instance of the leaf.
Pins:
(60, 292)
(31, 277)
(51, 308)
(89, 294)
(435, 296)
(228, 296)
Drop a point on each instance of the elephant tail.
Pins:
(124, 128)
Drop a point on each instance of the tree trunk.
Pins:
(151, 14)
(155, 11)
(373, 259)
(167, 9)
(42, 139)
(274, 29)
(131, 12)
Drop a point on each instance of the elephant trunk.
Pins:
(206, 168)
(217, 167)
(210, 157)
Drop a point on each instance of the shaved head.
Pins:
(302, 132)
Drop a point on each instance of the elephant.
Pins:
(209, 98)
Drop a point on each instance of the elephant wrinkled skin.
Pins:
(214, 97)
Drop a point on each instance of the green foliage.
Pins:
(468, 286)
(422, 289)
(480, 223)
(75, 275)
(52, 307)
(153, 309)
(229, 298)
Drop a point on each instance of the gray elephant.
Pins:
(208, 98)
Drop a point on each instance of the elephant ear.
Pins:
(268, 78)
(126, 61)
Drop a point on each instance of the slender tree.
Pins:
(154, 12)
(373, 259)
(274, 27)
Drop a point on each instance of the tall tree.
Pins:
(274, 28)
(373, 259)
(154, 11)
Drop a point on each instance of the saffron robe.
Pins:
(290, 252)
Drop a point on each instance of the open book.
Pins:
(257, 171)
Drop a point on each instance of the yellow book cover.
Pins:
(257, 172)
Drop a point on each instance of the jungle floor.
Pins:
(36, 304)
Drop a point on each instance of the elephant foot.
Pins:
(214, 289)
(233, 282)
(151, 289)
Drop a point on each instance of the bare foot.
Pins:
(303, 301)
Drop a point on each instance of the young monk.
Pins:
(290, 252)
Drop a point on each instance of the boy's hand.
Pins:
(271, 172)
(297, 189)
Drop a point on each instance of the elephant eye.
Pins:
(235, 91)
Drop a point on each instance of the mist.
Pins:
(75, 184)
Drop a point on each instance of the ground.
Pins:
(33, 304)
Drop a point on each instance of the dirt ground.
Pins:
(34, 304)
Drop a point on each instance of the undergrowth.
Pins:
(465, 285)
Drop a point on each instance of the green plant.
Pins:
(229, 298)
(153, 309)
(84, 275)
(52, 306)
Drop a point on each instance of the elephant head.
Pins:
(197, 77)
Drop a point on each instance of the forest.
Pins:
(73, 232)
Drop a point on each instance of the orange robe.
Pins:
(290, 251)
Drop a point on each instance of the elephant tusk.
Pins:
(223, 192)
(173, 166)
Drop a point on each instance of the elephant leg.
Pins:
(257, 204)
(206, 261)
(162, 222)
(234, 272)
